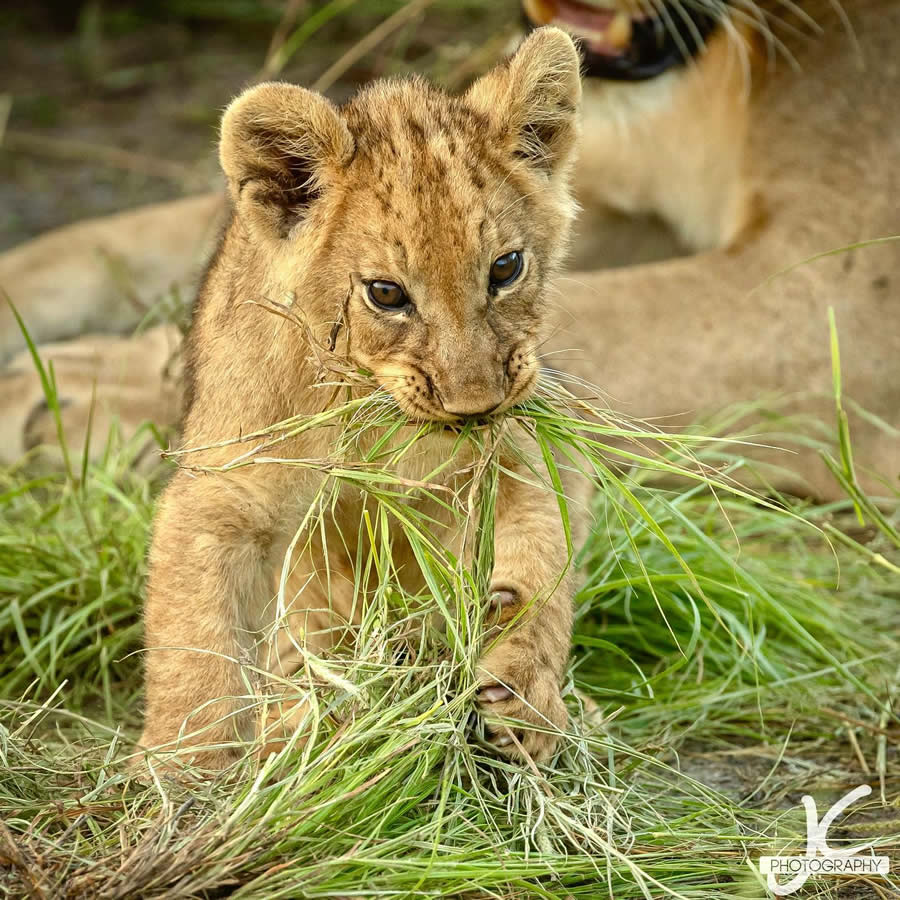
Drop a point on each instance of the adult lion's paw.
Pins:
(515, 686)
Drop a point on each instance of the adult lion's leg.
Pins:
(104, 274)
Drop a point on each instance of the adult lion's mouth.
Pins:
(628, 45)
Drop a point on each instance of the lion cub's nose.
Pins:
(470, 394)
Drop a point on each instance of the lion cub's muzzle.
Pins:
(466, 392)
(471, 398)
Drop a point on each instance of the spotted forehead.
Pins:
(429, 163)
(399, 120)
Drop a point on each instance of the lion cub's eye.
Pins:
(388, 295)
(506, 269)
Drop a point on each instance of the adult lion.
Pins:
(764, 135)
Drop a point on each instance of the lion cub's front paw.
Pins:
(514, 686)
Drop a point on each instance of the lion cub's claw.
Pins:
(515, 688)
(503, 597)
(493, 693)
(541, 707)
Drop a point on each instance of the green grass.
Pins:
(727, 658)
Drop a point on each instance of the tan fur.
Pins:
(406, 184)
(674, 146)
(108, 385)
(104, 274)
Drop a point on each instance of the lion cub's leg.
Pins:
(312, 614)
(531, 592)
(211, 577)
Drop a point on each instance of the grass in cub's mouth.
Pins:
(727, 659)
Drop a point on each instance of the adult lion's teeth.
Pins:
(618, 34)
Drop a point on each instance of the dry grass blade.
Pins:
(407, 13)
(85, 151)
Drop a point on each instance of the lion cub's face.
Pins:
(427, 224)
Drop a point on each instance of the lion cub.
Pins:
(429, 226)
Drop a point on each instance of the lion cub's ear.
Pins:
(279, 146)
(533, 98)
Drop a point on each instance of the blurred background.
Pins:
(110, 104)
